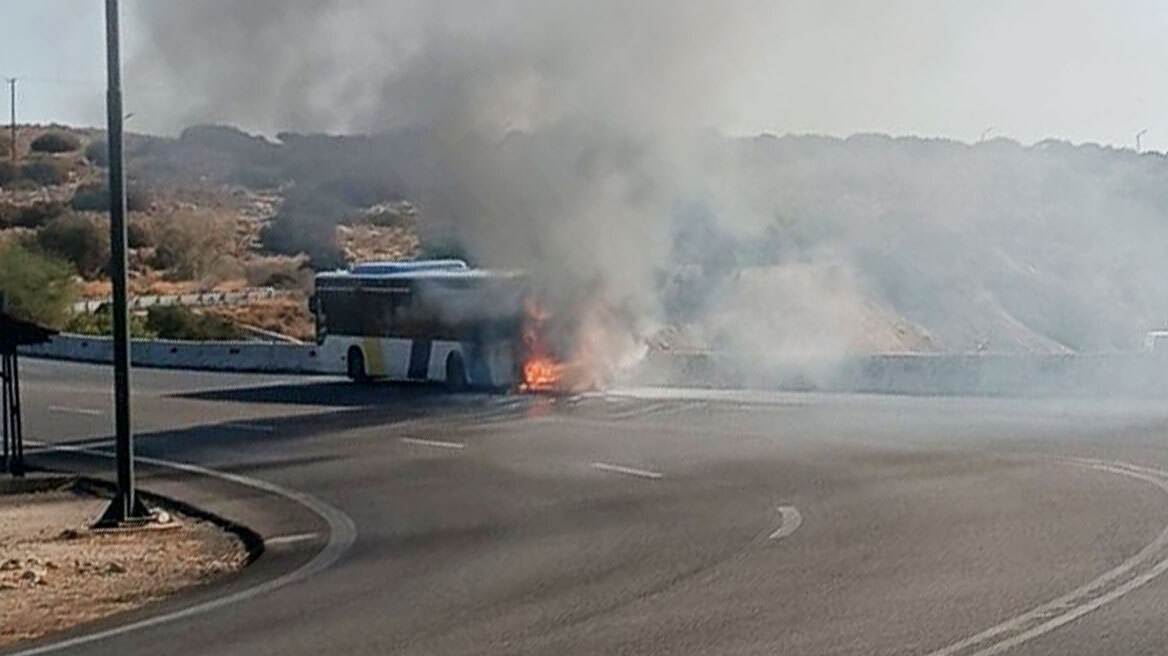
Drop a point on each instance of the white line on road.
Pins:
(89, 444)
(1082, 600)
(254, 428)
(434, 443)
(619, 469)
(289, 539)
(790, 521)
(76, 411)
(342, 534)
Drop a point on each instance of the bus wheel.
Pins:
(356, 365)
(455, 373)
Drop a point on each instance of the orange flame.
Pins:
(541, 371)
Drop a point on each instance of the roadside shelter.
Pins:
(14, 333)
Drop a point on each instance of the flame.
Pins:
(541, 371)
(582, 348)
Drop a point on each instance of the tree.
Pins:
(82, 240)
(37, 286)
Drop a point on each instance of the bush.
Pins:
(55, 142)
(317, 240)
(279, 272)
(45, 172)
(9, 172)
(97, 152)
(177, 322)
(189, 243)
(139, 233)
(37, 286)
(96, 198)
(30, 216)
(82, 240)
(100, 322)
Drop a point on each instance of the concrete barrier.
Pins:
(1089, 375)
(1085, 375)
(267, 357)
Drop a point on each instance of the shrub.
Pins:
(55, 142)
(9, 172)
(96, 198)
(139, 233)
(29, 216)
(279, 272)
(82, 240)
(97, 152)
(45, 172)
(317, 240)
(189, 243)
(177, 322)
(37, 286)
(100, 322)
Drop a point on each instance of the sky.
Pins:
(1080, 70)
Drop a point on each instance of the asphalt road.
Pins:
(403, 521)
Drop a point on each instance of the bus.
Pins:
(437, 321)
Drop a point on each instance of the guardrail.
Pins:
(266, 357)
(197, 299)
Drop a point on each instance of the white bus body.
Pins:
(426, 321)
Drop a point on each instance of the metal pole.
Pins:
(12, 102)
(126, 505)
(4, 409)
(17, 468)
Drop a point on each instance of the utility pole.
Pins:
(12, 103)
(126, 507)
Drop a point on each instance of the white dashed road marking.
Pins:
(290, 539)
(434, 443)
(790, 521)
(254, 428)
(89, 412)
(629, 471)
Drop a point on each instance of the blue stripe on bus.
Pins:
(419, 359)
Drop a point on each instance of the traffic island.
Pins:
(56, 572)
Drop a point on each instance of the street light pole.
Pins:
(126, 507)
(12, 106)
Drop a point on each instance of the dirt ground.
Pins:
(55, 573)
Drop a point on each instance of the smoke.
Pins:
(577, 141)
(555, 136)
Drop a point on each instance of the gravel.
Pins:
(55, 573)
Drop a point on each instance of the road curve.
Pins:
(640, 521)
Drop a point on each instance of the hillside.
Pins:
(794, 244)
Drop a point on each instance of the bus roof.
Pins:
(397, 266)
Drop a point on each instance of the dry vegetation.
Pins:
(191, 229)
(55, 573)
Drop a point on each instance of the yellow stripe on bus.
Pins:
(374, 363)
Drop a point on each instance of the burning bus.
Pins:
(442, 321)
(428, 321)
